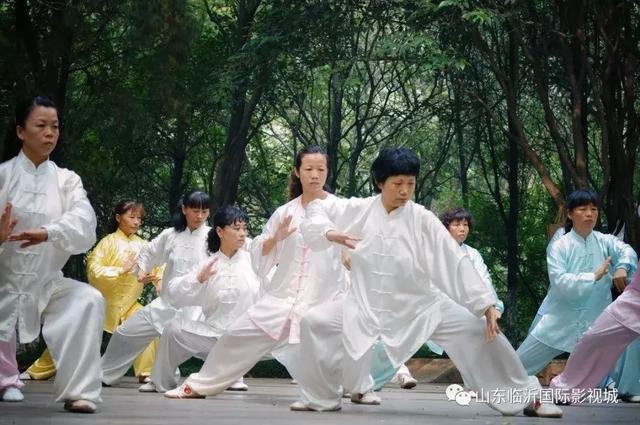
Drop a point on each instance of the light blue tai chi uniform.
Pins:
(381, 368)
(574, 298)
(560, 232)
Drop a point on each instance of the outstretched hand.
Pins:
(602, 270)
(130, 263)
(346, 260)
(31, 237)
(6, 223)
(284, 231)
(342, 238)
(493, 329)
(145, 278)
(207, 271)
(620, 279)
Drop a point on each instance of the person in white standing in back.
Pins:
(180, 247)
(224, 286)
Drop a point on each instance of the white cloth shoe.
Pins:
(183, 391)
(80, 406)
(407, 381)
(368, 398)
(238, 386)
(542, 410)
(148, 387)
(144, 379)
(299, 406)
(629, 398)
(12, 395)
(24, 376)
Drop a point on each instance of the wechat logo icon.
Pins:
(456, 393)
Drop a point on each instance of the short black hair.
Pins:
(224, 216)
(454, 214)
(393, 162)
(192, 199)
(24, 109)
(578, 198)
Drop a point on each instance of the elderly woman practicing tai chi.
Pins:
(399, 250)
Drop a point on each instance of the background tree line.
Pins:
(510, 104)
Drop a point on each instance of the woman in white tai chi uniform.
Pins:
(398, 251)
(458, 222)
(224, 285)
(303, 279)
(47, 218)
(180, 247)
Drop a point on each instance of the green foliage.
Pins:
(152, 86)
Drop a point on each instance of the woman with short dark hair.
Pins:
(47, 218)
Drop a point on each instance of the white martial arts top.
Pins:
(224, 297)
(400, 256)
(53, 198)
(483, 271)
(303, 278)
(181, 252)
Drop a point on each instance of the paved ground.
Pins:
(267, 402)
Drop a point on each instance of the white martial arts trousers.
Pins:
(177, 345)
(72, 329)
(329, 369)
(126, 343)
(535, 355)
(236, 352)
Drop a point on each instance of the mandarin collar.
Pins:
(197, 231)
(395, 212)
(579, 238)
(30, 167)
(121, 234)
(222, 256)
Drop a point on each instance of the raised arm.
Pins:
(75, 231)
(99, 271)
(264, 250)
(448, 268)
(155, 253)
(483, 271)
(622, 255)
(566, 283)
(334, 220)
(189, 289)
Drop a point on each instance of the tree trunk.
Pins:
(336, 92)
(618, 74)
(246, 94)
(514, 194)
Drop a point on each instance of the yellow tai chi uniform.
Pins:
(120, 291)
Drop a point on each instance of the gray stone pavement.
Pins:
(267, 402)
